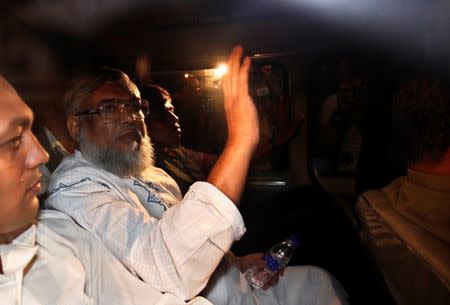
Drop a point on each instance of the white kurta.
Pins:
(179, 252)
(300, 285)
(57, 262)
(176, 253)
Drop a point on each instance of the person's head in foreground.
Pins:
(20, 157)
(105, 116)
(421, 116)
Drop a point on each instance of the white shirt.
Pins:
(191, 237)
(57, 262)
(176, 253)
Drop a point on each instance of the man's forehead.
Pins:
(9, 98)
(5, 86)
(14, 111)
(110, 90)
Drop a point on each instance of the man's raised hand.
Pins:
(240, 110)
(230, 171)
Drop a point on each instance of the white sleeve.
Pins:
(84, 261)
(176, 254)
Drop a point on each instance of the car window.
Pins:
(198, 100)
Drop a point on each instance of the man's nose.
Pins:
(36, 154)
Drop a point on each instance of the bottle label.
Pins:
(271, 263)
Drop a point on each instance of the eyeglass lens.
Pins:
(111, 111)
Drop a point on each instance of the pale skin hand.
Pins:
(230, 171)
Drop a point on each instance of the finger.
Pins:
(234, 65)
(231, 66)
(271, 282)
(229, 89)
(226, 87)
(243, 76)
(275, 279)
(226, 80)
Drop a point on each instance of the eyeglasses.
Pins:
(110, 109)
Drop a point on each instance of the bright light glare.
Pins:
(220, 70)
(186, 75)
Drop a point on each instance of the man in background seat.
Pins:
(421, 118)
(406, 225)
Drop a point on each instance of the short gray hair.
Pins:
(86, 85)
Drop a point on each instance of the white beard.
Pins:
(115, 161)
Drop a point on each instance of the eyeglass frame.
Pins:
(144, 107)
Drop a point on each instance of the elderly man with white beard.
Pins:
(45, 258)
(111, 188)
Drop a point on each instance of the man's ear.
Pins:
(73, 126)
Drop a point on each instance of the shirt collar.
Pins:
(17, 254)
(435, 182)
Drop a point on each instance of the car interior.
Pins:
(311, 167)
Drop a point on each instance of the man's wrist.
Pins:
(241, 147)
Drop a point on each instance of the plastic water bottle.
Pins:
(276, 258)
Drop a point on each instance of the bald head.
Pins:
(6, 87)
(20, 156)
